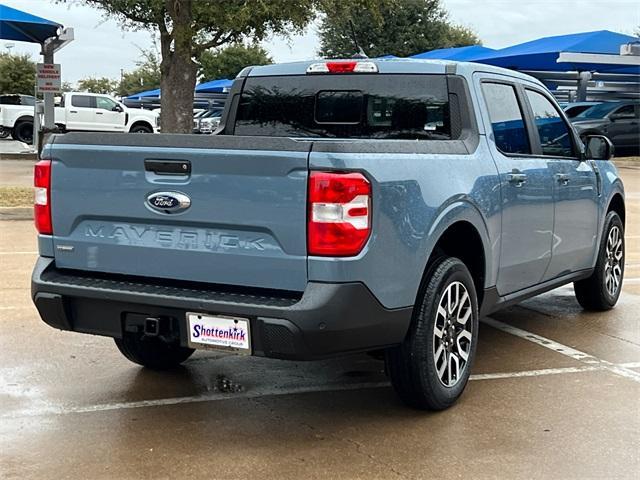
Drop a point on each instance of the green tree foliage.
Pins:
(396, 27)
(17, 74)
(97, 85)
(227, 62)
(66, 87)
(146, 75)
(187, 28)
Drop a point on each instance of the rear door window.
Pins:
(554, 133)
(412, 107)
(83, 101)
(507, 120)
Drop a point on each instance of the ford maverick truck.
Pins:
(341, 206)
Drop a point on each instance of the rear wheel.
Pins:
(432, 366)
(23, 131)
(602, 289)
(151, 352)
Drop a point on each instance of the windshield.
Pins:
(216, 112)
(346, 106)
(598, 111)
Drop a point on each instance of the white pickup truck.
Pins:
(78, 111)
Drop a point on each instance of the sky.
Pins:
(101, 48)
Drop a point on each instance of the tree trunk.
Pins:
(177, 84)
(177, 70)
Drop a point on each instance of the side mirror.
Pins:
(117, 108)
(598, 147)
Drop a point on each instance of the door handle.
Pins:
(73, 111)
(563, 178)
(168, 167)
(98, 113)
(518, 179)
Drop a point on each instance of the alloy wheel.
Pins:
(452, 334)
(614, 253)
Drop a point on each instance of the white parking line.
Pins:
(267, 391)
(536, 373)
(630, 365)
(564, 349)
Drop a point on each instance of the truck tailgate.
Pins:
(246, 223)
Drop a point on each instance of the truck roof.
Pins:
(393, 65)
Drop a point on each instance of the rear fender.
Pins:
(464, 210)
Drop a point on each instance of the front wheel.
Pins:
(141, 129)
(601, 290)
(430, 369)
(151, 352)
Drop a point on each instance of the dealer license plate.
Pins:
(219, 333)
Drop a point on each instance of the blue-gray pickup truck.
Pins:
(341, 206)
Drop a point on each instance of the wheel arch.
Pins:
(141, 122)
(616, 204)
(23, 118)
(462, 233)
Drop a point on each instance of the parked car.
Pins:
(343, 206)
(618, 121)
(576, 108)
(81, 111)
(197, 113)
(209, 120)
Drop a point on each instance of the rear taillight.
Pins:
(339, 221)
(42, 196)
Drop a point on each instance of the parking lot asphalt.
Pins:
(555, 393)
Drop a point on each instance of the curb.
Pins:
(19, 156)
(16, 213)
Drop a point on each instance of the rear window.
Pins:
(346, 106)
(83, 101)
(507, 120)
(17, 100)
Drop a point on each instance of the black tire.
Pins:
(413, 365)
(23, 132)
(141, 129)
(151, 352)
(4, 133)
(594, 293)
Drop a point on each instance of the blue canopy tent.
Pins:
(542, 54)
(461, 54)
(148, 93)
(214, 86)
(23, 27)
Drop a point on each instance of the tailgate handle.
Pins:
(168, 167)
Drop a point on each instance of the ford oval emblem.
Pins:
(168, 202)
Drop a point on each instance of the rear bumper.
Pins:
(327, 319)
